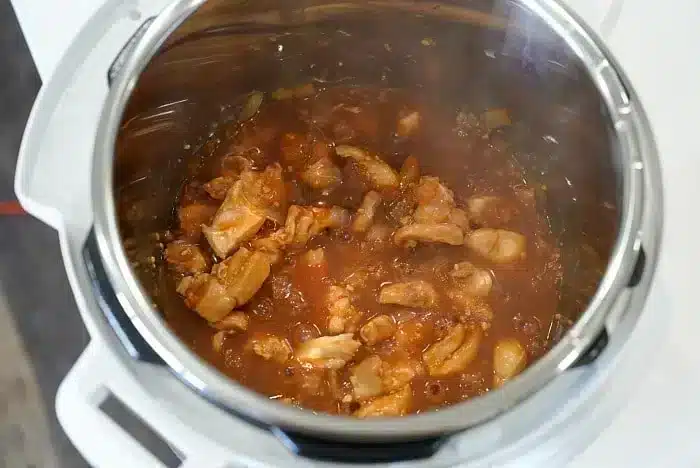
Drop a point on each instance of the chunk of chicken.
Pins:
(435, 201)
(232, 165)
(410, 172)
(207, 296)
(453, 353)
(378, 233)
(270, 347)
(217, 341)
(373, 377)
(379, 174)
(366, 378)
(459, 218)
(509, 359)
(342, 315)
(218, 188)
(314, 257)
(472, 280)
(233, 322)
(186, 257)
(394, 404)
(331, 352)
(489, 210)
(243, 274)
(322, 174)
(378, 329)
(431, 233)
(365, 214)
(471, 308)
(410, 294)
(497, 245)
(408, 124)
(301, 225)
(311, 159)
(253, 198)
(413, 335)
(232, 283)
(397, 374)
(192, 217)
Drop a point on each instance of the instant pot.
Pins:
(582, 131)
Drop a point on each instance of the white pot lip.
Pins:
(636, 147)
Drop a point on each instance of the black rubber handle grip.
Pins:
(599, 344)
(106, 297)
(118, 61)
(638, 271)
(358, 452)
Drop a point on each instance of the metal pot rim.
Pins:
(635, 147)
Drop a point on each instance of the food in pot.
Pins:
(362, 252)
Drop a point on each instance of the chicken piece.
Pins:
(309, 380)
(218, 188)
(378, 329)
(436, 205)
(270, 347)
(366, 378)
(459, 218)
(396, 375)
(453, 353)
(471, 308)
(207, 296)
(331, 352)
(232, 165)
(243, 274)
(497, 245)
(366, 212)
(217, 341)
(193, 216)
(412, 335)
(343, 317)
(431, 233)
(256, 196)
(410, 294)
(410, 172)
(472, 280)
(379, 174)
(302, 224)
(311, 159)
(509, 359)
(478, 205)
(435, 201)
(233, 322)
(373, 377)
(408, 124)
(322, 174)
(489, 210)
(394, 404)
(400, 209)
(378, 233)
(314, 257)
(186, 257)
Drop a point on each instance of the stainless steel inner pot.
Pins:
(578, 127)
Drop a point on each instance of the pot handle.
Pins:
(106, 296)
(325, 450)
